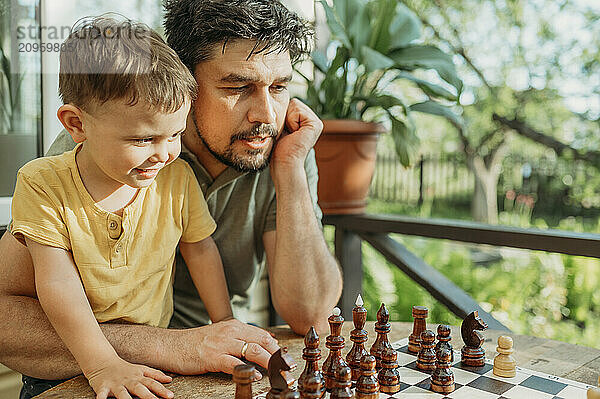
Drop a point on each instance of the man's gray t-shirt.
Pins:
(243, 204)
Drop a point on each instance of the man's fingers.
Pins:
(121, 393)
(157, 375)
(257, 354)
(102, 393)
(227, 364)
(141, 391)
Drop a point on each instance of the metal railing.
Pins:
(350, 230)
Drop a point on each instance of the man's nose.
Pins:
(262, 108)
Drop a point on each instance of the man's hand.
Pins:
(119, 378)
(303, 128)
(218, 348)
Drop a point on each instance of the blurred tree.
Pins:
(529, 66)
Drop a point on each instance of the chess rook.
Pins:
(243, 375)
(444, 338)
(505, 364)
(382, 328)
(335, 343)
(426, 358)
(472, 354)
(343, 382)
(311, 354)
(313, 388)
(358, 336)
(419, 314)
(280, 368)
(367, 386)
(389, 376)
(442, 378)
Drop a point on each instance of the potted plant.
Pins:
(357, 91)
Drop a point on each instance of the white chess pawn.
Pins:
(504, 363)
(594, 393)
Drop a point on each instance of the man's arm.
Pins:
(304, 278)
(29, 344)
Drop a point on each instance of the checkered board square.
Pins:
(479, 382)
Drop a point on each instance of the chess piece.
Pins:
(442, 378)
(367, 386)
(472, 354)
(290, 394)
(335, 343)
(280, 368)
(594, 393)
(313, 387)
(343, 382)
(382, 327)
(505, 364)
(243, 375)
(311, 354)
(419, 314)
(444, 338)
(426, 357)
(358, 336)
(389, 376)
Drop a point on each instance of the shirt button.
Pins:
(112, 225)
(118, 249)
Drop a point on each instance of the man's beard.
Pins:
(252, 160)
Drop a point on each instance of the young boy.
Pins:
(102, 222)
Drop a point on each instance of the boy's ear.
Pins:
(71, 118)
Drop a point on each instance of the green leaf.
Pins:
(374, 60)
(405, 27)
(335, 25)
(319, 60)
(405, 141)
(427, 57)
(434, 108)
(359, 28)
(429, 88)
(380, 37)
(334, 87)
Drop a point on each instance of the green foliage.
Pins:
(373, 55)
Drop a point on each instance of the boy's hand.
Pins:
(120, 378)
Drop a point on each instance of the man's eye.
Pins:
(175, 136)
(238, 89)
(278, 88)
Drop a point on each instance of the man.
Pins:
(250, 147)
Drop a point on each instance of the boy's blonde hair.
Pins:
(104, 59)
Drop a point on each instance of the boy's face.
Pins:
(129, 144)
(242, 103)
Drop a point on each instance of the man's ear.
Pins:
(71, 118)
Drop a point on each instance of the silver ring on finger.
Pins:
(244, 350)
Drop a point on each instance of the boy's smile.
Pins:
(126, 145)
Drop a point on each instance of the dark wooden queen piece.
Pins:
(335, 343)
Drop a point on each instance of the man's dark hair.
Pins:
(195, 27)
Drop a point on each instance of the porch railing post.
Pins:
(349, 254)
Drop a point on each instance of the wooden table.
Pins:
(558, 358)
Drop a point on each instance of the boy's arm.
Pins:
(63, 299)
(204, 263)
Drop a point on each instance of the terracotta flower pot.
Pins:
(345, 155)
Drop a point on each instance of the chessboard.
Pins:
(479, 382)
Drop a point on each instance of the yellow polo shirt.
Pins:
(125, 263)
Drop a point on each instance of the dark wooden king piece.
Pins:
(367, 386)
(389, 376)
(442, 379)
(382, 328)
(335, 343)
(444, 338)
(426, 357)
(343, 382)
(281, 366)
(419, 314)
(358, 336)
(472, 354)
(243, 375)
(311, 354)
